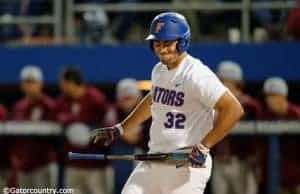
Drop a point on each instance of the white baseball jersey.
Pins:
(183, 100)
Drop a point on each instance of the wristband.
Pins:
(203, 148)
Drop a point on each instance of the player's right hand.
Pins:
(106, 135)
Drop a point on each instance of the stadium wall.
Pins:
(108, 64)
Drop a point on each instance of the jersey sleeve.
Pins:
(153, 74)
(207, 87)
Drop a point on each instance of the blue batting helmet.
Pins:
(170, 26)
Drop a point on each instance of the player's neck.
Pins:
(177, 62)
(34, 98)
(79, 92)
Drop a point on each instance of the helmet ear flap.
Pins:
(182, 44)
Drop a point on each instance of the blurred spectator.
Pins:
(107, 28)
(277, 107)
(36, 33)
(35, 105)
(25, 32)
(122, 23)
(127, 95)
(272, 21)
(94, 26)
(265, 23)
(293, 24)
(31, 157)
(235, 171)
(276, 99)
(7, 9)
(85, 104)
(4, 150)
(231, 75)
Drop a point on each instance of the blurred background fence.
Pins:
(65, 21)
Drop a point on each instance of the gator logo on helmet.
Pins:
(159, 26)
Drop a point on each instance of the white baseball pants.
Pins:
(154, 178)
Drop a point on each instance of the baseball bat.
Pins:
(177, 156)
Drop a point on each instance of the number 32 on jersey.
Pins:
(174, 120)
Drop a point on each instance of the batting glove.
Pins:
(198, 156)
(107, 135)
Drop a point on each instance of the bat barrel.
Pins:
(79, 156)
(152, 157)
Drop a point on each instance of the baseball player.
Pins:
(183, 102)
(279, 107)
(85, 104)
(33, 160)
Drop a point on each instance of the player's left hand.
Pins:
(198, 156)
